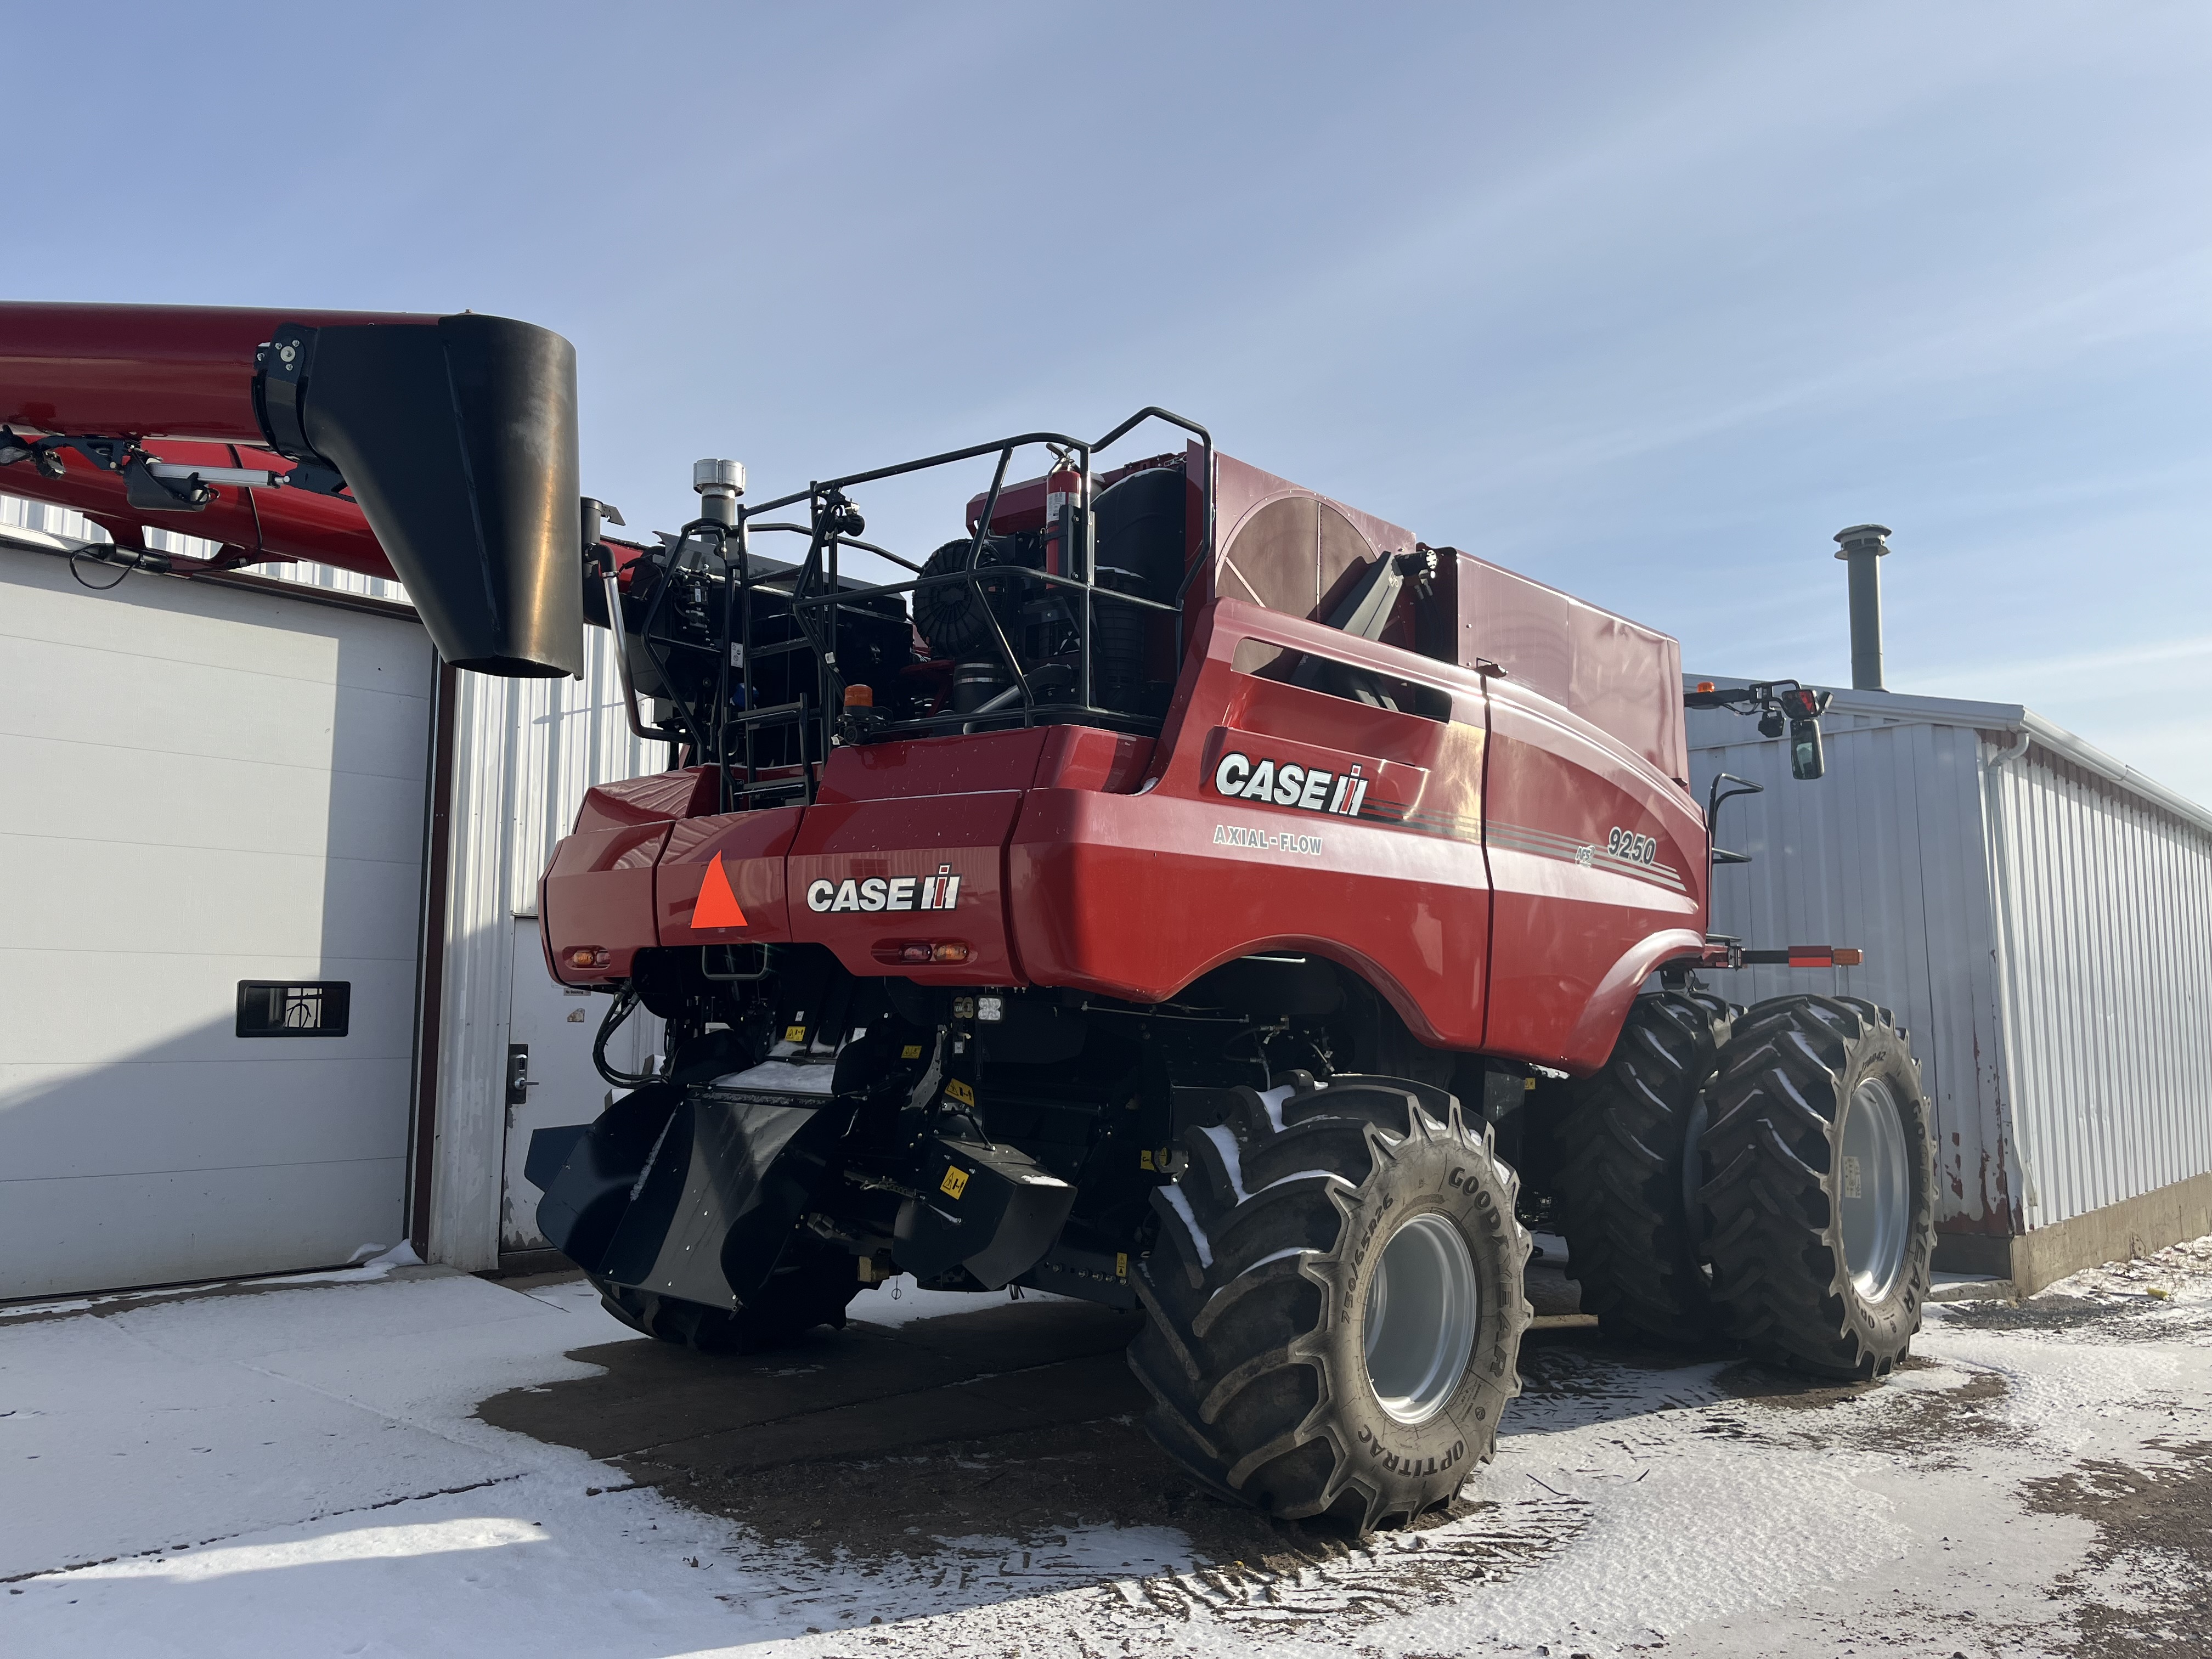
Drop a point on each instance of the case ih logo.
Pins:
(938, 892)
(1285, 783)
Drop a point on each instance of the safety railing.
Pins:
(815, 595)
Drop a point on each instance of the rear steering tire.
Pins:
(812, 1284)
(1623, 1204)
(1335, 1303)
(1820, 1191)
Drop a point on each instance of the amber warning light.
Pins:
(919, 952)
(589, 956)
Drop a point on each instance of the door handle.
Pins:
(518, 1083)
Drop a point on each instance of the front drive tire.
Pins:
(1335, 1301)
(1820, 1196)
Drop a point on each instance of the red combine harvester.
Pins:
(1180, 892)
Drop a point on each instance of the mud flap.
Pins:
(687, 1192)
(987, 1208)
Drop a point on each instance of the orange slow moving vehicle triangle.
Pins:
(718, 905)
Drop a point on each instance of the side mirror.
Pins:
(1806, 760)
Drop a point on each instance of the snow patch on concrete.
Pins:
(301, 1470)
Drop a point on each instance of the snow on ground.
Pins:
(296, 1470)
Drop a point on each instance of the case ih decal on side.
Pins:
(1330, 783)
(938, 892)
(1286, 783)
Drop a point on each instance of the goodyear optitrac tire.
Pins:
(1819, 1197)
(1335, 1301)
(810, 1286)
(1622, 1198)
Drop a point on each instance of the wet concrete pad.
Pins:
(860, 1391)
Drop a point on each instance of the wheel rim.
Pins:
(1422, 1309)
(1875, 1190)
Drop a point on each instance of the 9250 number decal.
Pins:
(1637, 850)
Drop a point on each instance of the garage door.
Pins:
(211, 819)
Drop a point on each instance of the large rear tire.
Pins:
(1622, 1198)
(1820, 1195)
(812, 1284)
(1335, 1301)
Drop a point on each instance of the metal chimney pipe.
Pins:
(1861, 544)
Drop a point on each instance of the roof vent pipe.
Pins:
(1861, 544)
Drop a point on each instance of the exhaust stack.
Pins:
(1861, 545)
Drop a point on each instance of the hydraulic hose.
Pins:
(625, 1005)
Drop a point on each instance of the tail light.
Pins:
(919, 953)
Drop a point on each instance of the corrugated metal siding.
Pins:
(67, 521)
(1884, 853)
(330, 578)
(524, 753)
(2105, 902)
(568, 735)
(54, 520)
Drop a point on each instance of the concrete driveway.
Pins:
(420, 1463)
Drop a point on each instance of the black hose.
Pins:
(624, 1005)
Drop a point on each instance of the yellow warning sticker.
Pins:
(1121, 1265)
(911, 1051)
(794, 1034)
(1145, 1158)
(956, 1182)
(960, 1092)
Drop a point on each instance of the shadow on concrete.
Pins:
(1011, 1422)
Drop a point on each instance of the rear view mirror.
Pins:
(1777, 703)
(1806, 760)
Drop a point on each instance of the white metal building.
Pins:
(2040, 917)
(226, 797)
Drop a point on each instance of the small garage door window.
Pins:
(281, 1008)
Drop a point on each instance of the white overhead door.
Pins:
(212, 815)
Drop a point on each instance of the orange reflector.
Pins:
(1849, 956)
(588, 955)
(718, 905)
(860, 696)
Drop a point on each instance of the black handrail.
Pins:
(815, 593)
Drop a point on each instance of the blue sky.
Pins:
(1645, 302)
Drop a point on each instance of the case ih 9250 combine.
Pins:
(1182, 890)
